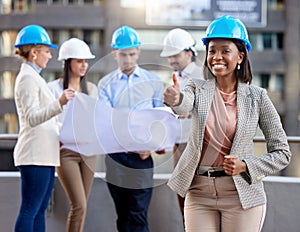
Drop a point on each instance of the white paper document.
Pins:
(91, 127)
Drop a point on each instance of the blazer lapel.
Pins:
(205, 101)
(40, 80)
(243, 114)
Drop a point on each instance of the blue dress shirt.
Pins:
(34, 66)
(141, 90)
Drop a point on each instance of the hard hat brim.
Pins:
(77, 57)
(171, 51)
(246, 42)
(119, 47)
(49, 45)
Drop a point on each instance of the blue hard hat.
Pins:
(33, 34)
(125, 37)
(227, 27)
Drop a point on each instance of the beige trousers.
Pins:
(213, 205)
(76, 175)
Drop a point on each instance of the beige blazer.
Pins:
(254, 109)
(38, 142)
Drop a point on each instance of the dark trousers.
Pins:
(36, 188)
(130, 181)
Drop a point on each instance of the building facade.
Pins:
(275, 56)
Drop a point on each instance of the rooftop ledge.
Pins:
(166, 176)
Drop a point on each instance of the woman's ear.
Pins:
(33, 53)
(241, 57)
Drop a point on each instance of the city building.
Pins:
(275, 56)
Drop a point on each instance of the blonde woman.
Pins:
(36, 153)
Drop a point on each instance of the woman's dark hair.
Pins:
(66, 74)
(244, 74)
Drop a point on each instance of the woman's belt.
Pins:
(210, 171)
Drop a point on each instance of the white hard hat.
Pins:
(176, 41)
(76, 49)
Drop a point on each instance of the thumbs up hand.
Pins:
(175, 82)
(172, 93)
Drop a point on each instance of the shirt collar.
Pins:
(188, 70)
(34, 66)
(136, 73)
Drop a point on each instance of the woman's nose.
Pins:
(217, 55)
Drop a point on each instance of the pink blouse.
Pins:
(219, 129)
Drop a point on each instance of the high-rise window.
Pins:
(7, 41)
(16, 6)
(265, 41)
(153, 39)
(265, 78)
(8, 120)
(271, 82)
(70, 2)
(276, 4)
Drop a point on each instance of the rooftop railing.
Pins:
(257, 139)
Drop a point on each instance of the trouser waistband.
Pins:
(210, 171)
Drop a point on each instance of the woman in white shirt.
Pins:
(76, 172)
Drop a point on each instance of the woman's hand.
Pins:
(172, 93)
(144, 154)
(67, 95)
(160, 152)
(233, 166)
(184, 116)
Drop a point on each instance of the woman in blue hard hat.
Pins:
(37, 150)
(218, 171)
(76, 172)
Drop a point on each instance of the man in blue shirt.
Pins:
(129, 175)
